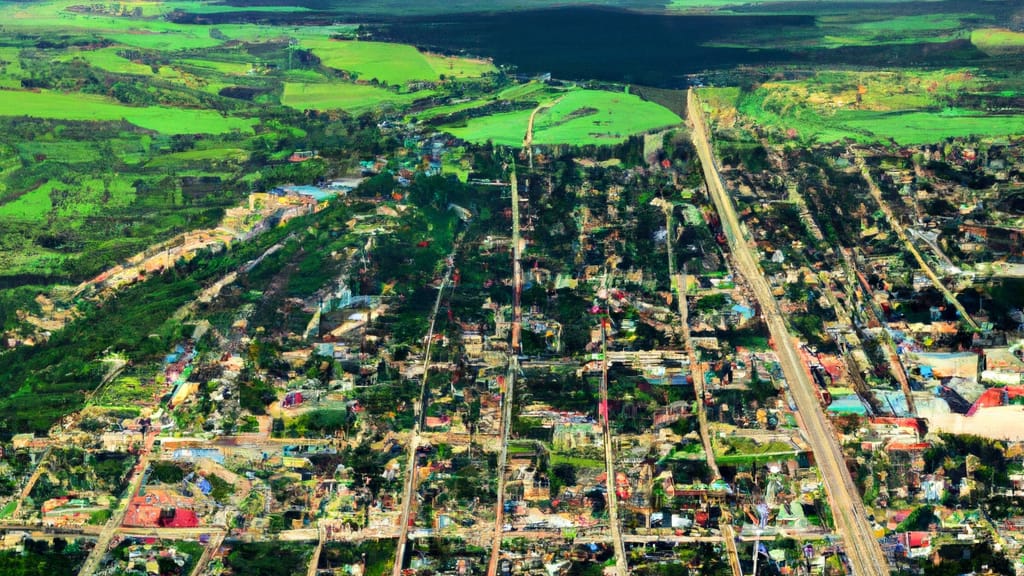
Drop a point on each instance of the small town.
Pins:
(562, 377)
(686, 288)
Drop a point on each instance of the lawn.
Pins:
(580, 117)
(392, 63)
(45, 104)
(343, 96)
(578, 462)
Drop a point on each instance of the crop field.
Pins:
(580, 117)
(342, 96)
(392, 63)
(87, 107)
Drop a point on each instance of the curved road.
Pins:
(850, 517)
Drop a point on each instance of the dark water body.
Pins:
(596, 43)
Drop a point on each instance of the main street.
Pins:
(621, 566)
(513, 370)
(697, 372)
(114, 524)
(419, 409)
(850, 517)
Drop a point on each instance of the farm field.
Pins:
(890, 106)
(998, 41)
(87, 107)
(342, 96)
(392, 63)
(579, 117)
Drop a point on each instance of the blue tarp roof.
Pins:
(847, 405)
(204, 486)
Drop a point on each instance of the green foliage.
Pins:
(100, 517)
(268, 559)
(40, 559)
(919, 520)
(379, 555)
(221, 490)
(254, 395)
(166, 472)
(712, 302)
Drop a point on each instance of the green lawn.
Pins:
(392, 63)
(45, 104)
(343, 96)
(581, 117)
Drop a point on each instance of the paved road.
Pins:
(510, 377)
(894, 223)
(110, 529)
(697, 372)
(420, 410)
(208, 552)
(850, 517)
(621, 566)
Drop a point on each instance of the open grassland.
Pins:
(528, 92)
(579, 117)
(84, 198)
(57, 105)
(925, 127)
(108, 59)
(223, 67)
(392, 63)
(998, 41)
(901, 107)
(345, 96)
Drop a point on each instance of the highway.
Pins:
(863, 550)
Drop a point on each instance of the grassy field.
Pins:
(997, 41)
(345, 96)
(108, 59)
(84, 198)
(901, 107)
(580, 117)
(87, 107)
(392, 63)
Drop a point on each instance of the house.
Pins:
(915, 544)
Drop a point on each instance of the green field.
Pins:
(57, 105)
(907, 128)
(580, 117)
(343, 96)
(392, 63)
(84, 198)
(885, 106)
(108, 59)
(996, 41)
